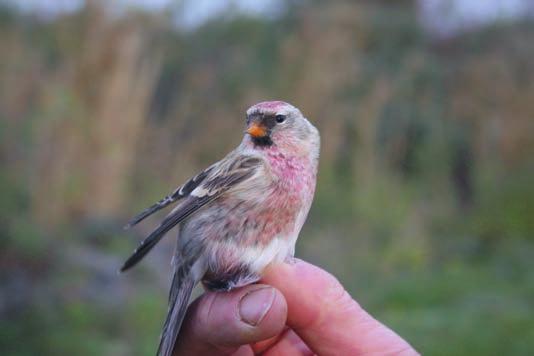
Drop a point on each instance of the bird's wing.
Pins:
(224, 175)
(180, 192)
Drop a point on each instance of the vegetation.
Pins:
(425, 197)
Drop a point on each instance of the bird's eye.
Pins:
(280, 118)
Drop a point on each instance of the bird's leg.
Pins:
(291, 260)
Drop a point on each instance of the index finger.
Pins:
(326, 317)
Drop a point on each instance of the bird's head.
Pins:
(279, 124)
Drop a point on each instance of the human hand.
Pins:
(299, 310)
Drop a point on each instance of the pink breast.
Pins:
(291, 192)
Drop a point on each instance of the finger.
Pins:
(219, 323)
(289, 344)
(263, 345)
(326, 317)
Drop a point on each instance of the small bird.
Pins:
(240, 214)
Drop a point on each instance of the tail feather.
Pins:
(181, 289)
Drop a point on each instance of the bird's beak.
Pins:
(257, 131)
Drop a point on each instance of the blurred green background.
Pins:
(425, 200)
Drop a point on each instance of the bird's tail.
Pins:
(182, 287)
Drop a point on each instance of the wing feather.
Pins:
(180, 192)
(227, 174)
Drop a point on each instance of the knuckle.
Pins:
(337, 300)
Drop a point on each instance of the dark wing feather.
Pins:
(227, 175)
(183, 211)
(179, 193)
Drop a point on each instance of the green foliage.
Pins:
(506, 207)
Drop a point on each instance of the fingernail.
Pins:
(255, 304)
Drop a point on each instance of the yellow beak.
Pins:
(257, 131)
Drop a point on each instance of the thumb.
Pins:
(326, 317)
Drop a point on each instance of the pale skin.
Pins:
(297, 309)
